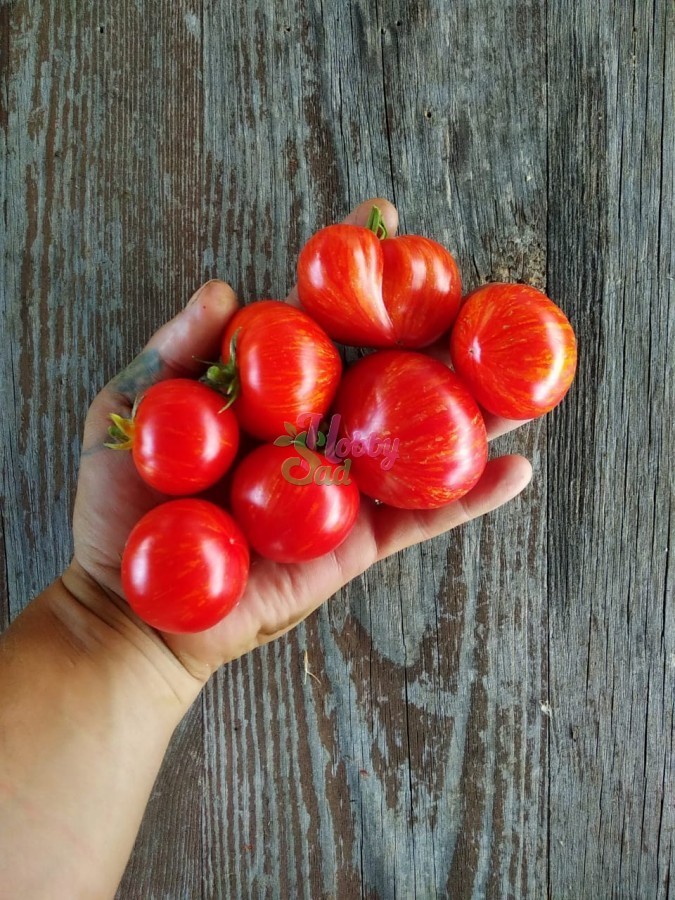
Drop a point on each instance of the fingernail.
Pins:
(201, 290)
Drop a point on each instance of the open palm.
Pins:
(111, 497)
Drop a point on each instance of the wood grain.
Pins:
(611, 592)
(493, 715)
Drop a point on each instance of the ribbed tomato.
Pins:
(371, 292)
(283, 365)
(417, 437)
(185, 566)
(181, 437)
(514, 349)
(293, 504)
(421, 288)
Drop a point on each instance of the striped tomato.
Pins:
(514, 349)
(185, 566)
(417, 439)
(277, 365)
(370, 290)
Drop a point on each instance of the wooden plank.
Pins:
(612, 636)
(101, 158)
(416, 767)
(494, 711)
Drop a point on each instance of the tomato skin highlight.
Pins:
(287, 522)
(183, 439)
(422, 289)
(185, 566)
(514, 349)
(442, 443)
(367, 292)
(287, 366)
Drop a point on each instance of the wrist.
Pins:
(88, 704)
(101, 626)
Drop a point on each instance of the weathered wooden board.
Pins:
(494, 710)
(611, 595)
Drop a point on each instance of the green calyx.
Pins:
(121, 432)
(224, 376)
(376, 224)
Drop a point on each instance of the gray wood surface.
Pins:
(494, 710)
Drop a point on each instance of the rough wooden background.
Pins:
(494, 713)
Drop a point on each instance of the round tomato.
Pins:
(181, 437)
(371, 292)
(415, 435)
(277, 365)
(185, 566)
(514, 349)
(293, 504)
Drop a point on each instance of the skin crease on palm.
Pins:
(111, 498)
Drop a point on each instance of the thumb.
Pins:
(172, 352)
(175, 350)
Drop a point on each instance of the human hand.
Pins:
(111, 498)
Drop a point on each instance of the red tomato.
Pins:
(418, 439)
(368, 292)
(422, 289)
(340, 285)
(514, 349)
(185, 566)
(219, 493)
(182, 439)
(292, 503)
(284, 365)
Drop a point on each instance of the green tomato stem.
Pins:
(121, 433)
(224, 376)
(376, 224)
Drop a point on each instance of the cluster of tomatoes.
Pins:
(273, 447)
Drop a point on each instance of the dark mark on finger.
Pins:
(141, 373)
(91, 451)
